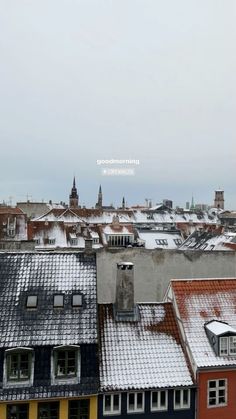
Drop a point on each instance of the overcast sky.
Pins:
(153, 80)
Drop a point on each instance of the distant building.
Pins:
(168, 203)
(219, 199)
(74, 197)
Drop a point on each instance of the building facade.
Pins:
(48, 336)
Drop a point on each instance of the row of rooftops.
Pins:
(72, 227)
(141, 349)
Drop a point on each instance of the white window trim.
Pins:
(136, 410)
(217, 388)
(159, 408)
(221, 340)
(18, 383)
(72, 380)
(182, 405)
(112, 411)
(229, 351)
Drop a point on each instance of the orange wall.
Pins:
(224, 412)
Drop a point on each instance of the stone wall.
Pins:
(153, 269)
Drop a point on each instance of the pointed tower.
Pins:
(74, 197)
(99, 203)
(192, 204)
(123, 203)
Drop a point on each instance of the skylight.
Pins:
(58, 300)
(76, 300)
(31, 301)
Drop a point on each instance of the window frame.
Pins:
(81, 405)
(18, 381)
(65, 379)
(159, 408)
(217, 389)
(48, 407)
(228, 345)
(182, 406)
(111, 411)
(18, 406)
(223, 339)
(136, 410)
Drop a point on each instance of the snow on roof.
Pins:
(45, 274)
(119, 229)
(219, 328)
(143, 354)
(198, 302)
(152, 239)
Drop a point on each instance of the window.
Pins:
(58, 301)
(17, 411)
(95, 240)
(18, 365)
(162, 242)
(48, 410)
(181, 399)
(78, 409)
(217, 393)
(51, 241)
(135, 402)
(37, 241)
(74, 241)
(227, 345)
(159, 400)
(232, 345)
(112, 404)
(178, 242)
(223, 346)
(31, 301)
(76, 300)
(65, 362)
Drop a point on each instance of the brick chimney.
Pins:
(125, 308)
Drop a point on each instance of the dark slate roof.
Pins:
(46, 274)
(48, 391)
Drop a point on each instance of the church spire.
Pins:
(123, 203)
(99, 203)
(74, 197)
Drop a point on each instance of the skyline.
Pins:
(152, 81)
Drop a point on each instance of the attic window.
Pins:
(228, 345)
(51, 241)
(76, 300)
(32, 301)
(58, 301)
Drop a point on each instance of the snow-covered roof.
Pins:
(219, 328)
(142, 354)
(213, 240)
(43, 275)
(199, 301)
(154, 239)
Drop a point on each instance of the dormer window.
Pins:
(66, 364)
(19, 366)
(222, 337)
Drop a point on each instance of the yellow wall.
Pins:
(63, 412)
